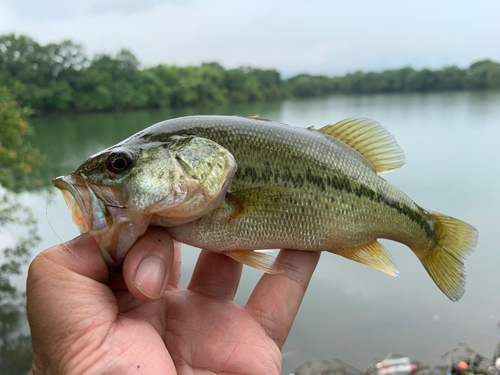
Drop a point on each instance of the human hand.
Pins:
(85, 320)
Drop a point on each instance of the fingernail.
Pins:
(150, 277)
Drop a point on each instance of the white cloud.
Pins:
(69, 10)
(322, 37)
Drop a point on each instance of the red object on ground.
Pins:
(414, 368)
(462, 365)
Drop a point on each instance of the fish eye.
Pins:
(119, 162)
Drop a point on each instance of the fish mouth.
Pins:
(95, 209)
(72, 194)
(88, 211)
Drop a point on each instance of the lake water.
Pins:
(350, 311)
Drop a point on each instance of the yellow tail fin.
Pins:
(445, 262)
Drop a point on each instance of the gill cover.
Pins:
(208, 172)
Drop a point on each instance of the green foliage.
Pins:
(60, 77)
(242, 87)
(269, 83)
(17, 157)
(306, 86)
(450, 78)
(424, 80)
(482, 75)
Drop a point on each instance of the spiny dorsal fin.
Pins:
(256, 117)
(373, 255)
(371, 140)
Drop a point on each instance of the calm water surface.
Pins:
(350, 311)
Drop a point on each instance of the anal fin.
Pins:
(262, 262)
(373, 255)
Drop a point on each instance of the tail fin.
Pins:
(445, 262)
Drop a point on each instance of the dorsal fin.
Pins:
(256, 117)
(371, 140)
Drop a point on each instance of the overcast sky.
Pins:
(293, 36)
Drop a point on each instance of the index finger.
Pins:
(276, 299)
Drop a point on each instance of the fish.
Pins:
(239, 184)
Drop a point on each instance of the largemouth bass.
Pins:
(237, 184)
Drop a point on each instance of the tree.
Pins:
(483, 75)
(269, 81)
(450, 78)
(480, 64)
(396, 80)
(241, 86)
(66, 58)
(60, 77)
(372, 82)
(17, 157)
(493, 77)
(424, 80)
(305, 86)
(351, 83)
(20, 56)
(127, 61)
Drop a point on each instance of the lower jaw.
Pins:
(74, 206)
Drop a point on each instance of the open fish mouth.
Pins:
(72, 194)
(87, 210)
(95, 210)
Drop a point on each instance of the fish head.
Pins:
(116, 194)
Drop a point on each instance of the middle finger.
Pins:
(216, 275)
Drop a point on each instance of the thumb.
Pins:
(65, 284)
(150, 266)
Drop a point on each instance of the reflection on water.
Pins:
(352, 312)
(15, 342)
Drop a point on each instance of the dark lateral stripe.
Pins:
(338, 181)
(267, 176)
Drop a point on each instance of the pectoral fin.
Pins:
(373, 255)
(257, 201)
(253, 259)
